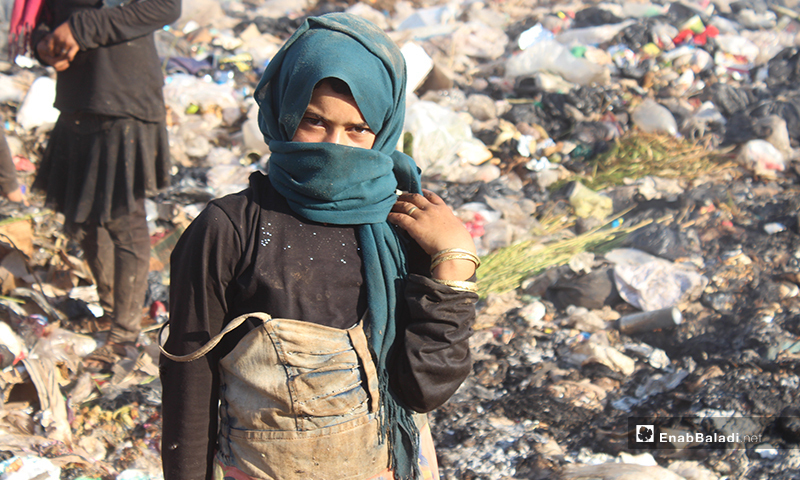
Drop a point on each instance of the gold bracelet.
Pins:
(453, 256)
(457, 285)
(475, 259)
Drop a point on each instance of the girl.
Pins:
(315, 313)
(109, 148)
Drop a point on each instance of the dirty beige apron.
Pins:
(298, 401)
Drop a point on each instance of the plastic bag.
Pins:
(252, 138)
(597, 350)
(588, 203)
(652, 283)
(71, 342)
(61, 345)
(593, 290)
(428, 17)
(13, 342)
(28, 468)
(583, 319)
(784, 68)
(739, 46)
(182, 91)
(227, 179)
(37, 108)
(476, 216)
(533, 35)
(665, 242)
(477, 40)
(786, 106)
(763, 158)
(594, 16)
(439, 134)
(653, 117)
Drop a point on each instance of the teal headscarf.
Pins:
(343, 185)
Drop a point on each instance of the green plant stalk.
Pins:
(507, 268)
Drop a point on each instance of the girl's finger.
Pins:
(409, 198)
(402, 206)
(432, 197)
(406, 208)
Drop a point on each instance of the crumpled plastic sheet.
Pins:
(652, 283)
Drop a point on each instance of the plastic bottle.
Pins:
(553, 56)
(646, 9)
(649, 321)
(593, 35)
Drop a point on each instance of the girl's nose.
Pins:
(335, 135)
(332, 135)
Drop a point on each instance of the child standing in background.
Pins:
(109, 147)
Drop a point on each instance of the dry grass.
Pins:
(637, 154)
(506, 268)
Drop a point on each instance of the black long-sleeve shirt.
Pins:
(250, 253)
(117, 71)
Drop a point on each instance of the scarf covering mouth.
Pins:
(344, 185)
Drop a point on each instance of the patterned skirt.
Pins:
(96, 166)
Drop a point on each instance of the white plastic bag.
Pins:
(652, 117)
(28, 468)
(37, 108)
(439, 134)
(652, 283)
(762, 157)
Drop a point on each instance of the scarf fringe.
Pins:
(24, 17)
(403, 437)
(19, 44)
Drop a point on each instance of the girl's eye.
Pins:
(313, 121)
(362, 130)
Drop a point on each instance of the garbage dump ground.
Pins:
(628, 170)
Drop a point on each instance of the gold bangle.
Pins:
(458, 285)
(453, 256)
(474, 257)
(451, 250)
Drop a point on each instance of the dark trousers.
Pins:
(118, 253)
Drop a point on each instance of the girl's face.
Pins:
(333, 117)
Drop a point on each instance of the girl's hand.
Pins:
(64, 42)
(58, 48)
(433, 225)
(46, 50)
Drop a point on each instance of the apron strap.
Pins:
(211, 343)
(359, 341)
